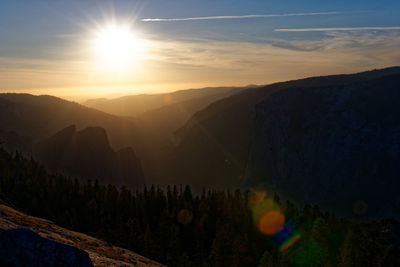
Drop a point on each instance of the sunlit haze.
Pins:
(117, 49)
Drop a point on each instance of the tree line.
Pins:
(177, 228)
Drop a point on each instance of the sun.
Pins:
(116, 48)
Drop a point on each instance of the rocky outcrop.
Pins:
(335, 146)
(42, 242)
(87, 154)
(23, 247)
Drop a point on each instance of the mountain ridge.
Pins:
(134, 105)
(221, 137)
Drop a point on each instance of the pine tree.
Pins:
(150, 247)
(347, 254)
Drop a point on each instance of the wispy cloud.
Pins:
(339, 29)
(239, 17)
(199, 61)
(274, 60)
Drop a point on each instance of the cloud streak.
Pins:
(340, 29)
(239, 17)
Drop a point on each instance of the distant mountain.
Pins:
(226, 144)
(26, 120)
(165, 120)
(161, 115)
(87, 154)
(134, 105)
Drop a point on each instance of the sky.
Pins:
(46, 47)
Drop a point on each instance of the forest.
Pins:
(215, 228)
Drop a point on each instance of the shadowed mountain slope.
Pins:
(167, 119)
(337, 146)
(215, 145)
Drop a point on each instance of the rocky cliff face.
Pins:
(88, 154)
(338, 146)
(213, 147)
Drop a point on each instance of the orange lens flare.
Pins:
(185, 216)
(271, 222)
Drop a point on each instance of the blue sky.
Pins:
(42, 43)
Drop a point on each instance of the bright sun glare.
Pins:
(117, 49)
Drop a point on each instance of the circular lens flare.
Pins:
(185, 216)
(271, 222)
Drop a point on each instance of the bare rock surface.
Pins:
(24, 247)
(100, 252)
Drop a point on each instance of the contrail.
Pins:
(240, 17)
(339, 29)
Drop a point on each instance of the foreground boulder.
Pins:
(23, 247)
(16, 243)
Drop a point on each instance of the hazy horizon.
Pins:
(143, 91)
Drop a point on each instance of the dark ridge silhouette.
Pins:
(87, 154)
